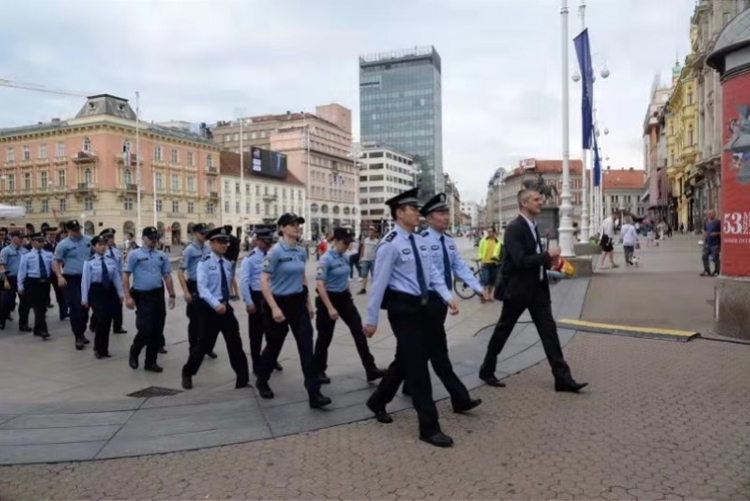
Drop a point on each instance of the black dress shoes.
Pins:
(438, 439)
(133, 360)
(374, 374)
(278, 367)
(380, 414)
(163, 351)
(25, 328)
(239, 386)
(153, 368)
(120, 331)
(569, 385)
(85, 340)
(187, 382)
(323, 378)
(44, 335)
(466, 407)
(211, 354)
(79, 343)
(98, 355)
(264, 390)
(491, 380)
(318, 401)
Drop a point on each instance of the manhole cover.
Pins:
(154, 391)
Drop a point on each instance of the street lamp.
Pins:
(566, 222)
(355, 155)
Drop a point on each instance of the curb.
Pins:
(627, 330)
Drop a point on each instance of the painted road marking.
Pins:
(628, 330)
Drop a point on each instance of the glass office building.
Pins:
(401, 107)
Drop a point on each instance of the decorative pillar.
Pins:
(731, 58)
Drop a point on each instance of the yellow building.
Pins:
(682, 144)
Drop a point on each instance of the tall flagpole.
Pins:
(566, 223)
(584, 156)
(153, 180)
(242, 178)
(138, 163)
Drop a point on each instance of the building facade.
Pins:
(622, 191)
(255, 199)
(85, 168)
(473, 213)
(319, 154)
(494, 196)
(453, 198)
(657, 196)
(400, 95)
(384, 172)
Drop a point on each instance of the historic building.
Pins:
(622, 190)
(85, 168)
(657, 196)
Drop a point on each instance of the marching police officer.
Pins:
(335, 301)
(287, 305)
(70, 255)
(252, 266)
(403, 278)
(34, 274)
(50, 245)
(151, 270)
(233, 253)
(112, 252)
(214, 288)
(188, 276)
(101, 288)
(10, 260)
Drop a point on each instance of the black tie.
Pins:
(111, 253)
(446, 264)
(420, 271)
(106, 281)
(42, 267)
(224, 283)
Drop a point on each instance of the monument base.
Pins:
(586, 249)
(733, 307)
(584, 266)
(548, 220)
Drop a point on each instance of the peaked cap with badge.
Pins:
(220, 233)
(150, 232)
(343, 234)
(289, 218)
(437, 203)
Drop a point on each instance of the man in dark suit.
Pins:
(524, 273)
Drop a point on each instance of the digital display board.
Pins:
(268, 163)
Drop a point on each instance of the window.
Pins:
(690, 98)
(191, 185)
(157, 153)
(690, 136)
(26, 153)
(86, 147)
(128, 203)
(43, 180)
(237, 207)
(63, 206)
(257, 208)
(159, 180)
(175, 206)
(209, 161)
(45, 205)
(226, 186)
(87, 176)
(190, 158)
(43, 150)
(60, 149)
(226, 207)
(128, 177)
(257, 190)
(159, 205)
(191, 207)
(237, 188)
(265, 209)
(236, 137)
(27, 181)
(210, 185)
(10, 155)
(29, 206)
(247, 188)
(299, 195)
(175, 182)
(210, 208)
(88, 204)
(11, 182)
(247, 207)
(175, 157)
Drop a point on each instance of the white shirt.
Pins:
(608, 227)
(532, 228)
(629, 235)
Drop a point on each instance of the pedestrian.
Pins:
(10, 261)
(401, 286)
(711, 244)
(629, 237)
(287, 306)
(607, 242)
(489, 257)
(527, 288)
(151, 271)
(214, 291)
(367, 257)
(353, 255)
(34, 272)
(335, 301)
(70, 255)
(101, 288)
(188, 278)
(252, 267)
(50, 245)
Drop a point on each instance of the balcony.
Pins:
(61, 160)
(85, 188)
(43, 161)
(212, 170)
(120, 159)
(213, 194)
(83, 157)
(270, 198)
(27, 164)
(130, 188)
(129, 213)
(174, 215)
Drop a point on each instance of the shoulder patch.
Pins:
(389, 237)
(447, 234)
(206, 258)
(425, 233)
(91, 258)
(252, 253)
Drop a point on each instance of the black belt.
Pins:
(408, 299)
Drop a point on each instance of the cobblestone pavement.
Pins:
(660, 421)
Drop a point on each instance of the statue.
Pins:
(546, 190)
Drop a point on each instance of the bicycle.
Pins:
(461, 288)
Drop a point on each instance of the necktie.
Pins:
(105, 274)
(224, 283)
(111, 253)
(42, 266)
(420, 270)
(539, 250)
(446, 264)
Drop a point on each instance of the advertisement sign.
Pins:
(735, 178)
(529, 163)
(268, 163)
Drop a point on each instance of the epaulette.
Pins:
(389, 237)
(447, 234)
(252, 253)
(92, 257)
(206, 258)
(425, 233)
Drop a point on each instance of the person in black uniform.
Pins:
(233, 253)
(524, 265)
(335, 301)
(213, 289)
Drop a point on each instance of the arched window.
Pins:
(86, 145)
(128, 177)
(87, 176)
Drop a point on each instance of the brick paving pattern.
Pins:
(661, 421)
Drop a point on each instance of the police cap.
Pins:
(73, 224)
(16, 233)
(343, 234)
(289, 218)
(435, 204)
(99, 239)
(219, 234)
(200, 228)
(108, 232)
(37, 236)
(409, 197)
(150, 232)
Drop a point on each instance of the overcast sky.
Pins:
(202, 60)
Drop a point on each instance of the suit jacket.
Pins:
(521, 263)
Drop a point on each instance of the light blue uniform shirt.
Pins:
(29, 266)
(73, 253)
(286, 265)
(92, 274)
(148, 268)
(114, 254)
(396, 268)
(191, 256)
(10, 257)
(252, 266)
(209, 278)
(459, 268)
(333, 267)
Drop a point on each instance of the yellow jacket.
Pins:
(495, 251)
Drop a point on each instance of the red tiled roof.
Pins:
(229, 164)
(624, 179)
(548, 167)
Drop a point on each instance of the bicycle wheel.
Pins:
(462, 290)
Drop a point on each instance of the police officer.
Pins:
(252, 266)
(50, 245)
(287, 305)
(214, 288)
(34, 274)
(402, 281)
(70, 255)
(114, 253)
(151, 270)
(233, 253)
(335, 301)
(101, 288)
(10, 260)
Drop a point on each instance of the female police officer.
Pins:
(334, 301)
(287, 305)
(101, 287)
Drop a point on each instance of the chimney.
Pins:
(55, 120)
(288, 115)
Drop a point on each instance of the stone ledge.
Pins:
(586, 249)
(627, 330)
(584, 266)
